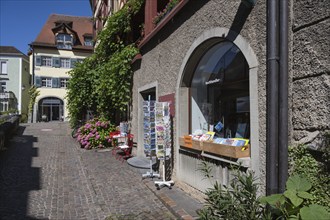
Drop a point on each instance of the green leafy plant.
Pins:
(161, 15)
(23, 118)
(206, 169)
(34, 93)
(102, 83)
(294, 202)
(95, 134)
(238, 201)
(303, 163)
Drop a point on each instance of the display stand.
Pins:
(150, 174)
(163, 139)
(149, 135)
(160, 184)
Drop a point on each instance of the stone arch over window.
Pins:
(210, 52)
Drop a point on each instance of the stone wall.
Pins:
(163, 55)
(311, 72)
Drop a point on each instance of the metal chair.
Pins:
(124, 147)
(114, 141)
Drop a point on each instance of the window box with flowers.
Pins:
(161, 15)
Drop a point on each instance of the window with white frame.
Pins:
(46, 82)
(3, 67)
(64, 41)
(46, 61)
(65, 63)
(64, 82)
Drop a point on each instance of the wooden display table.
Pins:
(218, 149)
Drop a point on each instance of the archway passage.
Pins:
(50, 109)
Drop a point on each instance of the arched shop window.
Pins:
(220, 92)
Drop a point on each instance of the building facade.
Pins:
(63, 41)
(15, 80)
(101, 10)
(208, 58)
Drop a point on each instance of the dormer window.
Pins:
(64, 41)
(88, 41)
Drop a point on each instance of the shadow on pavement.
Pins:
(17, 176)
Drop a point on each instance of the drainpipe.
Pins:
(283, 97)
(249, 3)
(272, 97)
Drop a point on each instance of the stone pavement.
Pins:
(45, 175)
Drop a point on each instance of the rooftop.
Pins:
(10, 50)
(77, 25)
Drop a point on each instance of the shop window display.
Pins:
(220, 99)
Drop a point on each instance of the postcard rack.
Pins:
(149, 135)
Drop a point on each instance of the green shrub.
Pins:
(103, 82)
(295, 202)
(239, 201)
(95, 134)
(303, 163)
(24, 118)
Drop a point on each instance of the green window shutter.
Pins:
(56, 62)
(38, 60)
(37, 80)
(73, 62)
(55, 82)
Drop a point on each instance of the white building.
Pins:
(63, 41)
(14, 79)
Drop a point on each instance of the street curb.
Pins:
(178, 212)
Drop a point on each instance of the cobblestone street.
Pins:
(45, 175)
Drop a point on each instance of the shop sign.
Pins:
(212, 81)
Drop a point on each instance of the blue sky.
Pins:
(22, 20)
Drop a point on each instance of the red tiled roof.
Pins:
(80, 25)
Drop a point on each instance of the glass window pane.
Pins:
(46, 61)
(3, 67)
(65, 63)
(64, 41)
(220, 91)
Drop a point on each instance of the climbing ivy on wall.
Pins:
(103, 81)
(34, 93)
